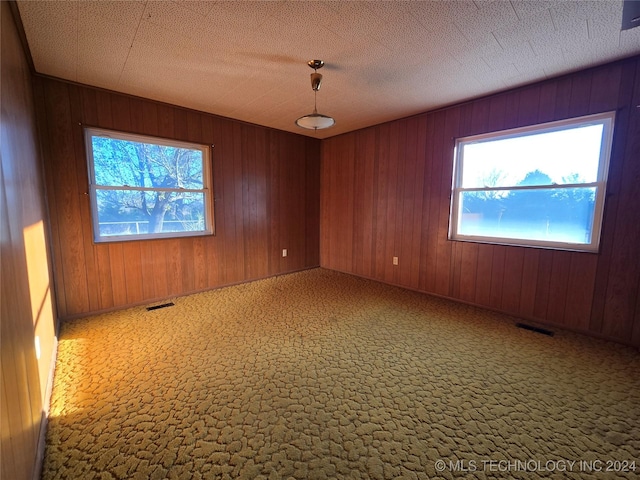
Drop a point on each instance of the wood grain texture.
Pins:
(625, 108)
(391, 183)
(25, 288)
(266, 186)
(624, 277)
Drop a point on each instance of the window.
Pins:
(144, 187)
(540, 186)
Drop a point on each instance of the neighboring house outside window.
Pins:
(537, 186)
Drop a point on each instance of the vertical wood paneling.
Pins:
(248, 189)
(635, 337)
(291, 203)
(411, 200)
(623, 99)
(97, 262)
(381, 188)
(447, 258)
(116, 269)
(54, 239)
(298, 175)
(133, 278)
(104, 282)
(604, 81)
(445, 158)
(326, 200)
(266, 186)
(197, 260)
(543, 284)
(432, 180)
(62, 182)
(405, 189)
(25, 274)
(512, 280)
(363, 205)
(423, 266)
(187, 266)
(255, 206)
(582, 273)
(418, 212)
(277, 171)
(389, 151)
(563, 97)
(90, 260)
(558, 285)
(484, 273)
(14, 454)
(234, 194)
(147, 272)
(212, 244)
(468, 272)
(311, 194)
(580, 95)
(497, 277)
(224, 196)
(623, 282)
(528, 105)
(529, 282)
(469, 263)
(547, 102)
(459, 261)
(19, 368)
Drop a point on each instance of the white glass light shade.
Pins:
(315, 121)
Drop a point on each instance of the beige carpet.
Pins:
(322, 375)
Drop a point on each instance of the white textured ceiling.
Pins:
(384, 60)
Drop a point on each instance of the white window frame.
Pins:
(90, 132)
(607, 119)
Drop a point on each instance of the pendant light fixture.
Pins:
(315, 120)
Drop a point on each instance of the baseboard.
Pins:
(534, 321)
(42, 434)
(151, 301)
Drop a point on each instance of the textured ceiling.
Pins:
(384, 60)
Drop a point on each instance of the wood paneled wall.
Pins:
(385, 192)
(266, 187)
(27, 315)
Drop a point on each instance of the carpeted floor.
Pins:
(322, 375)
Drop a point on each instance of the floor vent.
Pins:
(164, 305)
(543, 331)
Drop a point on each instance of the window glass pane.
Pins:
(557, 157)
(552, 215)
(131, 212)
(134, 164)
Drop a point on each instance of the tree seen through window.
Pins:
(535, 186)
(144, 188)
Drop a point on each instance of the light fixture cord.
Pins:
(315, 96)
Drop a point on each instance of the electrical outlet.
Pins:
(284, 252)
(395, 260)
